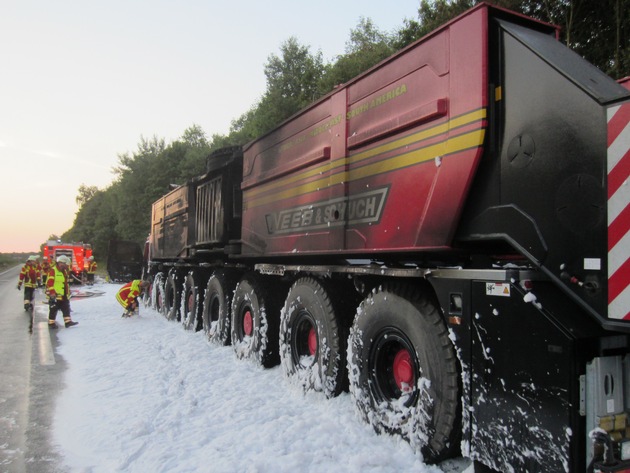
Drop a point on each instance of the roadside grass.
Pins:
(8, 260)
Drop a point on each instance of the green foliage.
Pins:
(292, 81)
(123, 210)
(8, 260)
(85, 194)
(411, 31)
(598, 31)
(293, 76)
(367, 47)
(431, 15)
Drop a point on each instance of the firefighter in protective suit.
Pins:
(128, 296)
(91, 270)
(30, 276)
(45, 269)
(58, 291)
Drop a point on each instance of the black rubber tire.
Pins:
(312, 341)
(157, 292)
(216, 308)
(192, 302)
(255, 322)
(398, 326)
(146, 295)
(172, 294)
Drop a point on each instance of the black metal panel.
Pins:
(459, 320)
(560, 181)
(175, 224)
(209, 212)
(547, 161)
(581, 73)
(524, 379)
(218, 200)
(520, 364)
(124, 260)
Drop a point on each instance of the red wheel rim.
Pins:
(248, 323)
(403, 370)
(312, 341)
(191, 300)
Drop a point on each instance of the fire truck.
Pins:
(77, 252)
(445, 237)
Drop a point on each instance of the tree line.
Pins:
(598, 30)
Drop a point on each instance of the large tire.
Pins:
(216, 308)
(403, 371)
(312, 340)
(157, 292)
(255, 322)
(172, 294)
(192, 302)
(147, 294)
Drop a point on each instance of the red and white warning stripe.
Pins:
(619, 212)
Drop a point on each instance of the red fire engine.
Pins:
(77, 252)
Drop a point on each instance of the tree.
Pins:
(142, 177)
(243, 129)
(411, 31)
(195, 137)
(292, 83)
(432, 15)
(85, 194)
(294, 75)
(196, 150)
(367, 47)
(105, 223)
(598, 31)
(85, 220)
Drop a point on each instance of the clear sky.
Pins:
(82, 81)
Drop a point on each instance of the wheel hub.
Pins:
(312, 341)
(303, 339)
(394, 367)
(248, 323)
(403, 370)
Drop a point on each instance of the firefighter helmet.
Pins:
(63, 259)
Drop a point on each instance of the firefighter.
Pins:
(128, 296)
(45, 269)
(30, 276)
(91, 270)
(58, 291)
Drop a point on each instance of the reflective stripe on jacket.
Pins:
(29, 276)
(58, 282)
(128, 292)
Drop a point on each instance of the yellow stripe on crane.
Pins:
(432, 132)
(472, 139)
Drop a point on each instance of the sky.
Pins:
(84, 82)
(142, 394)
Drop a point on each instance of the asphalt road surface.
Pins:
(31, 379)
